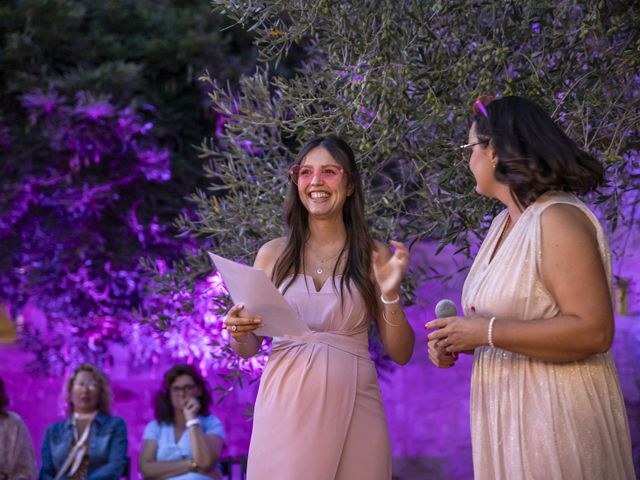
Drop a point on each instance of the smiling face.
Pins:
(85, 392)
(182, 389)
(481, 166)
(323, 184)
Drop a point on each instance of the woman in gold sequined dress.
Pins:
(545, 396)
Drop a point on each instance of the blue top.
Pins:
(107, 447)
(168, 449)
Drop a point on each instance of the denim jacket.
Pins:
(107, 448)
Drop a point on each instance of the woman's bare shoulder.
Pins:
(564, 221)
(269, 253)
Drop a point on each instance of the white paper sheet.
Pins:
(251, 287)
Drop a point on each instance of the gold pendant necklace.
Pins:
(320, 267)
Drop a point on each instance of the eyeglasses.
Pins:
(87, 385)
(302, 175)
(466, 150)
(182, 389)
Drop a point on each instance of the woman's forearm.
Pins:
(203, 455)
(396, 333)
(563, 338)
(559, 339)
(248, 347)
(154, 470)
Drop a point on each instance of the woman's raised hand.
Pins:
(191, 408)
(241, 326)
(389, 272)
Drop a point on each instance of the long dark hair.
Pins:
(4, 400)
(534, 154)
(359, 244)
(164, 409)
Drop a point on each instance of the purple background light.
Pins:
(97, 128)
(428, 408)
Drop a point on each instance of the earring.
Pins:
(493, 162)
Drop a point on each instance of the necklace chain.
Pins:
(320, 267)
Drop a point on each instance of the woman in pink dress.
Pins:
(319, 414)
(545, 397)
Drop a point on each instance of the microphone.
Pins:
(446, 308)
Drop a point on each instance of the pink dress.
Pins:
(17, 460)
(319, 413)
(532, 419)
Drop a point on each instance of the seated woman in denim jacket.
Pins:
(184, 441)
(91, 443)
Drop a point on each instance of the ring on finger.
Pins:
(234, 328)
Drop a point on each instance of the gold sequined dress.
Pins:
(532, 419)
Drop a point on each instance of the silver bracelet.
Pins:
(192, 422)
(490, 332)
(390, 302)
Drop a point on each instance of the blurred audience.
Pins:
(90, 443)
(17, 460)
(185, 440)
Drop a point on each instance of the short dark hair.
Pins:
(4, 400)
(164, 411)
(534, 154)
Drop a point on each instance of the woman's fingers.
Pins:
(242, 324)
(233, 311)
(400, 247)
(236, 324)
(438, 334)
(401, 254)
(438, 355)
(438, 323)
(192, 404)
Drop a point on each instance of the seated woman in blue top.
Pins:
(91, 443)
(184, 441)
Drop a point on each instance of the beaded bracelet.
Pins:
(490, 332)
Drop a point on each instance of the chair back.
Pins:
(126, 472)
(234, 468)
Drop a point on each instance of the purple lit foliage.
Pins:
(75, 224)
(196, 333)
(96, 165)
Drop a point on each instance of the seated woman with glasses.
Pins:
(185, 440)
(17, 461)
(319, 412)
(90, 443)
